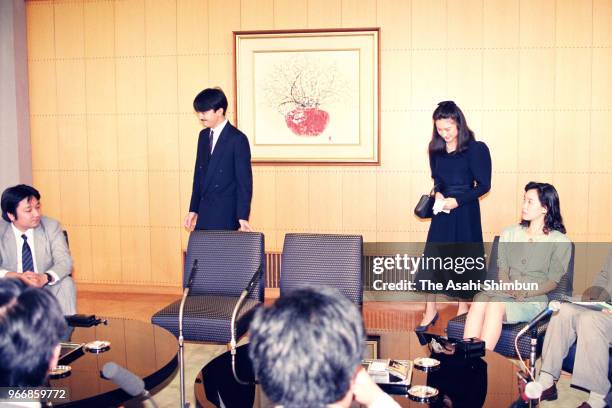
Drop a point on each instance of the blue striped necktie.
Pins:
(26, 256)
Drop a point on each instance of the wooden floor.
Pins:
(396, 316)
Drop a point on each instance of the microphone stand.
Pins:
(241, 299)
(194, 269)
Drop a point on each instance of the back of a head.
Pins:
(31, 325)
(306, 347)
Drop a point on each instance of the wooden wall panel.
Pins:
(42, 87)
(263, 205)
(500, 78)
(100, 86)
(132, 151)
(160, 27)
(500, 130)
(99, 29)
(536, 78)
(131, 80)
(101, 142)
(70, 79)
(574, 23)
(69, 30)
(72, 142)
(161, 85)
(394, 16)
(290, 14)
(537, 23)
(325, 200)
(292, 200)
(572, 135)
(114, 136)
(40, 31)
(429, 24)
(500, 23)
(358, 13)
(106, 254)
(536, 135)
(43, 136)
(600, 146)
(602, 23)
(104, 198)
(324, 13)
(130, 28)
(256, 15)
(601, 90)
(464, 21)
(191, 26)
(134, 199)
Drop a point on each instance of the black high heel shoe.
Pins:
(423, 328)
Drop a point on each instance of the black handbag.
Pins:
(424, 208)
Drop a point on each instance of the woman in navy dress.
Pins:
(461, 170)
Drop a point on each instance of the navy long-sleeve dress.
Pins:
(465, 176)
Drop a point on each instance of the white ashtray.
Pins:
(97, 346)
(422, 393)
(426, 364)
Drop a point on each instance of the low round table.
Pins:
(148, 351)
(482, 382)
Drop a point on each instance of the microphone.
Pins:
(194, 271)
(126, 380)
(533, 390)
(243, 296)
(552, 307)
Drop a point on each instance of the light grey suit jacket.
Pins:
(52, 253)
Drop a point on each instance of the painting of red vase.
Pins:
(307, 121)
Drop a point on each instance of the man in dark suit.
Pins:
(222, 179)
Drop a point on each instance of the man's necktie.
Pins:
(210, 142)
(26, 256)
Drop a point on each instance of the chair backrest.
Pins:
(563, 289)
(323, 259)
(226, 261)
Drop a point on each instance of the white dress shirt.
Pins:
(216, 133)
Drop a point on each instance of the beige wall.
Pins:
(114, 137)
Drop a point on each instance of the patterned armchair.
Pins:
(323, 259)
(226, 261)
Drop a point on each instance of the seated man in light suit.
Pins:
(591, 330)
(33, 248)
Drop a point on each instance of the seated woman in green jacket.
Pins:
(534, 254)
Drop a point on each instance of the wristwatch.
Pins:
(49, 278)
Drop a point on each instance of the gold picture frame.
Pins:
(309, 96)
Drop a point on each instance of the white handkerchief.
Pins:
(438, 207)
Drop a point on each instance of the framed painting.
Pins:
(309, 97)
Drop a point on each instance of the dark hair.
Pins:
(12, 196)
(449, 110)
(306, 347)
(210, 98)
(549, 198)
(31, 325)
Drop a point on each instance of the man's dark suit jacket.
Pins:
(223, 182)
